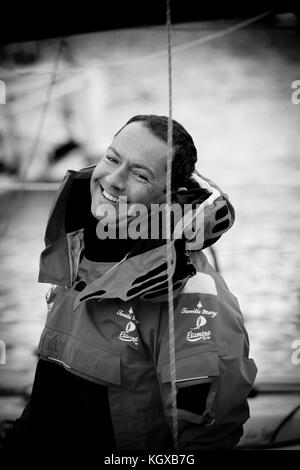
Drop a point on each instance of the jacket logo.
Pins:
(196, 310)
(130, 327)
(199, 310)
(197, 335)
(202, 335)
(201, 321)
(127, 334)
(130, 315)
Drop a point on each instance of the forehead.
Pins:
(136, 144)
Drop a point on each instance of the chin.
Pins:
(93, 212)
(94, 206)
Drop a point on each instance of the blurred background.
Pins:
(63, 96)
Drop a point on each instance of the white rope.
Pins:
(169, 242)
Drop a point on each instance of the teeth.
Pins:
(109, 196)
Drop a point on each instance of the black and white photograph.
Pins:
(149, 231)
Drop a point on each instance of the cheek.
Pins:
(159, 198)
(137, 194)
(99, 170)
(98, 173)
(148, 197)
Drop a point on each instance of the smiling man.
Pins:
(130, 168)
(103, 376)
(129, 174)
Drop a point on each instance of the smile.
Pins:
(109, 196)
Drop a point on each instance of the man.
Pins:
(103, 378)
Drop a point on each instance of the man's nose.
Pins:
(117, 179)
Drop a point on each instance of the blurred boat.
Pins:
(274, 421)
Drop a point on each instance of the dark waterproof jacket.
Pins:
(114, 331)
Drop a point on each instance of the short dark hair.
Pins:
(185, 153)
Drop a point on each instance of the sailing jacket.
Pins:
(113, 329)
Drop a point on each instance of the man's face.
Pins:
(133, 169)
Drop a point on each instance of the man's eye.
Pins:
(111, 159)
(141, 176)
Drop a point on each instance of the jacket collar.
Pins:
(143, 272)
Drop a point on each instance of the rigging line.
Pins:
(36, 143)
(169, 242)
(44, 113)
(188, 45)
(154, 55)
(220, 34)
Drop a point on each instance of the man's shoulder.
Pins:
(206, 280)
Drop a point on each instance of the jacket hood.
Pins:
(143, 271)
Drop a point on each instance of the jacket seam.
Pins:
(61, 330)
